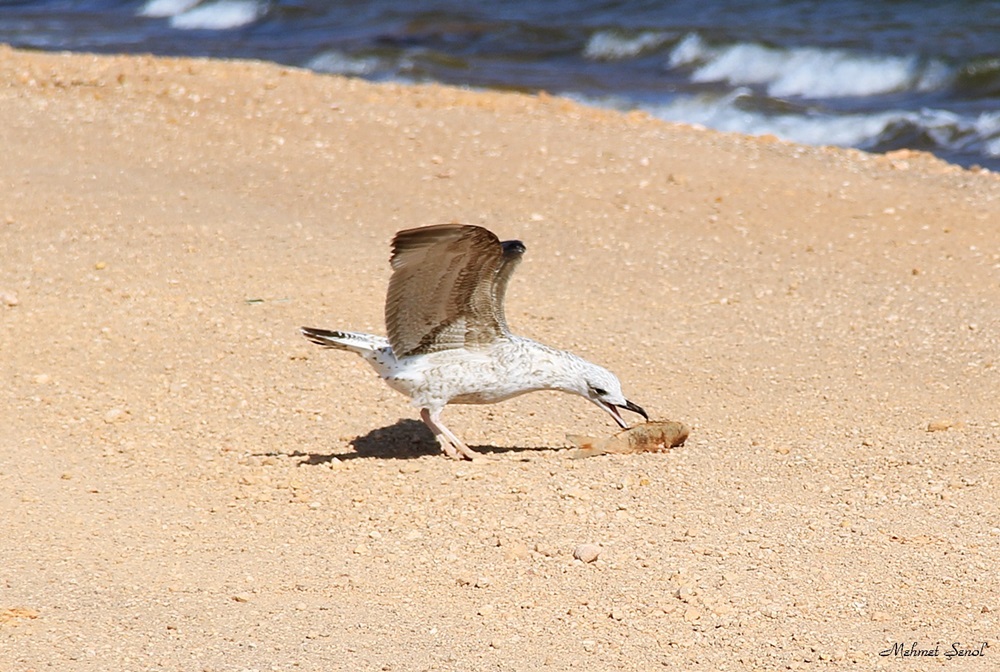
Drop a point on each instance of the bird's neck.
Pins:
(551, 369)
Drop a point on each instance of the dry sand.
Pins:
(187, 484)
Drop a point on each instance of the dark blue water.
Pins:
(877, 75)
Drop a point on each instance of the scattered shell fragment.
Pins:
(115, 415)
(651, 437)
(587, 552)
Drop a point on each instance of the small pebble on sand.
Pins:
(587, 552)
(115, 415)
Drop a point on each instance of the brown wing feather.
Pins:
(513, 250)
(442, 293)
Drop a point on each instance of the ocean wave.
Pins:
(980, 78)
(727, 113)
(938, 131)
(165, 8)
(610, 45)
(988, 126)
(219, 15)
(338, 63)
(809, 72)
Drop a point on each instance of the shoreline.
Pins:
(462, 95)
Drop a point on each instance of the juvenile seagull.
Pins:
(448, 338)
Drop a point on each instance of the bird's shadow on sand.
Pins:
(406, 439)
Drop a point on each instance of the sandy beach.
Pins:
(188, 484)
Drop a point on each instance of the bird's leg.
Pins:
(452, 446)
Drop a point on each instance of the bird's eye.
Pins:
(599, 391)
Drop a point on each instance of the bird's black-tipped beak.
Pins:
(628, 406)
(635, 408)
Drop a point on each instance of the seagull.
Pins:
(448, 340)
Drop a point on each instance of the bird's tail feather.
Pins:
(345, 340)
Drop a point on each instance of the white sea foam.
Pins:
(164, 8)
(987, 126)
(608, 45)
(219, 15)
(692, 49)
(946, 130)
(723, 113)
(337, 63)
(807, 71)
(952, 131)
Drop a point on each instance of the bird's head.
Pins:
(604, 389)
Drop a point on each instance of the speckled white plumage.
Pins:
(448, 336)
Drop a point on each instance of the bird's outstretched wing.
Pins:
(447, 288)
(513, 250)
